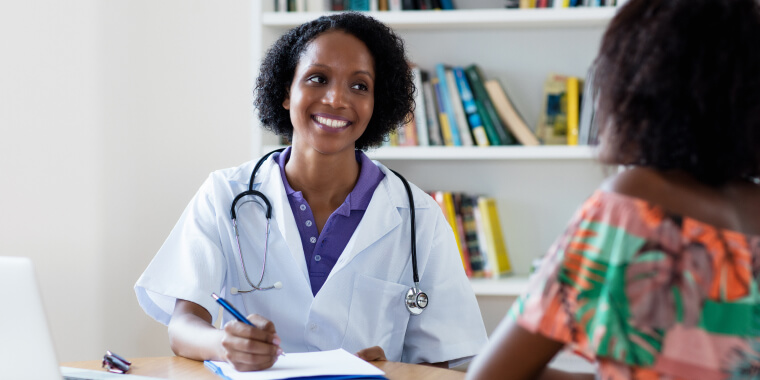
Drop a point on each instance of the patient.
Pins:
(656, 275)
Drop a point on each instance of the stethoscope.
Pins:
(415, 301)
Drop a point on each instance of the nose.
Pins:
(336, 96)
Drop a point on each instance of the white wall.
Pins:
(112, 113)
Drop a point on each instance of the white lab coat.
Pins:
(360, 305)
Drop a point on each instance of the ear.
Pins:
(286, 102)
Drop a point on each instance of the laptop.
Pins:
(26, 346)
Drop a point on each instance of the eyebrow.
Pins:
(355, 72)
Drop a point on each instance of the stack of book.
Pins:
(524, 4)
(458, 106)
(475, 222)
(360, 5)
(568, 115)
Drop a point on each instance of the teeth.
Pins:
(332, 123)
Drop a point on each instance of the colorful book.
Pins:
(552, 121)
(464, 251)
(434, 129)
(470, 108)
(573, 108)
(420, 116)
(446, 203)
(498, 257)
(477, 80)
(467, 209)
(587, 119)
(443, 116)
(509, 115)
(456, 104)
(444, 103)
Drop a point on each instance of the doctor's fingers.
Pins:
(262, 323)
(237, 344)
(247, 362)
(243, 331)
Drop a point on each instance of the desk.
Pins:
(175, 367)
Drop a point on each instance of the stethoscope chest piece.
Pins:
(416, 301)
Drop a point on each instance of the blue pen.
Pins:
(226, 305)
(231, 309)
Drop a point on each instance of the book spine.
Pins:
(420, 114)
(470, 108)
(456, 103)
(573, 106)
(447, 107)
(508, 114)
(477, 264)
(434, 129)
(443, 117)
(477, 83)
(497, 249)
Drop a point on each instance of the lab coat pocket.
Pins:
(377, 316)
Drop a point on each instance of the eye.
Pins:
(317, 79)
(360, 86)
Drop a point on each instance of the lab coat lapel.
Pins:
(272, 186)
(380, 218)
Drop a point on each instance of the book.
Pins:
(446, 203)
(477, 80)
(420, 115)
(509, 115)
(456, 104)
(470, 108)
(434, 129)
(498, 257)
(443, 116)
(573, 108)
(587, 119)
(408, 132)
(467, 209)
(444, 104)
(464, 250)
(552, 121)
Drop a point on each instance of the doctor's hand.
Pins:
(249, 348)
(371, 354)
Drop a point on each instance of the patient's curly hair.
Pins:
(394, 89)
(679, 87)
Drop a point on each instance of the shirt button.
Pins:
(313, 240)
(303, 207)
(317, 257)
(308, 223)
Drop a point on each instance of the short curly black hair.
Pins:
(394, 89)
(679, 88)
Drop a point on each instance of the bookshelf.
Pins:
(537, 188)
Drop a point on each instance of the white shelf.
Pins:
(543, 152)
(508, 286)
(466, 18)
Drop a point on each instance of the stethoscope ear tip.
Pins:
(233, 290)
(277, 285)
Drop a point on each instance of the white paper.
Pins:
(300, 364)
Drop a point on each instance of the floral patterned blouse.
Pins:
(648, 295)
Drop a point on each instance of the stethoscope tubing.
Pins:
(412, 298)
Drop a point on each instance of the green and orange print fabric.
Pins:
(648, 295)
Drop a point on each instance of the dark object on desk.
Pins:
(115, 363)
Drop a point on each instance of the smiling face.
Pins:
(332, 96)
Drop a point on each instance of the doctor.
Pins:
(334, 261)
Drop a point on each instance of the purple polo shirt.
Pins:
(323, 250)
